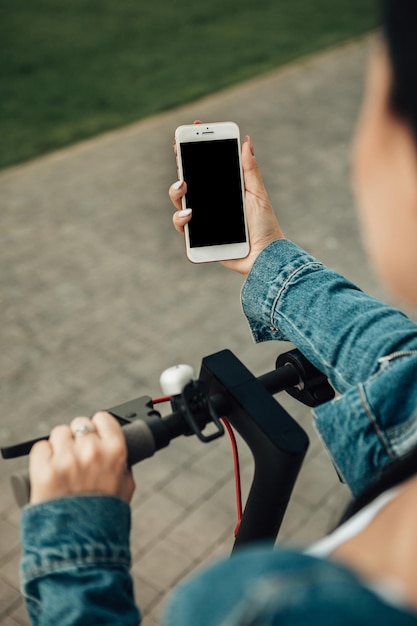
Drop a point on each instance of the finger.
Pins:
(62, 444)
(60, 438)
(82, 426)
(109, 431)
(107, 426)
(48, 465)
(39, 459)
(40, 470)
(176, 193)
(111, 435)
(181, 218)
(40, 453)
(81, 419)
(251, 171)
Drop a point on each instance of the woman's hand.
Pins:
(262, 223)
(89, 456)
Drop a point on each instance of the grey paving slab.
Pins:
(97, 299)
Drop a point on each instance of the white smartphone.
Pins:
(209, 160)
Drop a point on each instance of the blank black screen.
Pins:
(211, 171)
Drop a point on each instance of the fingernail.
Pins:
(178, 185)
(184, 212)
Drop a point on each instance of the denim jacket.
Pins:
(75, 563)
(367, 349)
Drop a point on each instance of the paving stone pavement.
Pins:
(97, 299)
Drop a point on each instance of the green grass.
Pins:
(74, 68)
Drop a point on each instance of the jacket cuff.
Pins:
(264, 284)
(74, 530)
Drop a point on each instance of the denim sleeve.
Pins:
(265, 587)
(367, 349)
(75, 562)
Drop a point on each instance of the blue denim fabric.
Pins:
(264, 587)
(366, 348)
(75, 564)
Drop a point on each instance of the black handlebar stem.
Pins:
(277, 442)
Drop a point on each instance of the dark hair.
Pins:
(399, 24)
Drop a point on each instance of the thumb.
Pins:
(251, 173)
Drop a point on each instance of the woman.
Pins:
(75, 561)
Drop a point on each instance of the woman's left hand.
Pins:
(263, 225)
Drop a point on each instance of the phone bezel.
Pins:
(212, 132)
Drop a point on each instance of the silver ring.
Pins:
(84, 429)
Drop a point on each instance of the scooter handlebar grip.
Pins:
(140, 445)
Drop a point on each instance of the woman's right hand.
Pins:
(87, 457)
(263, 225)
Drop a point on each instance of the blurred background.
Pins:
(96, 295)
(70, 70)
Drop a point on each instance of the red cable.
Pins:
(238, 487)
(236, 464)
(161, 399)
